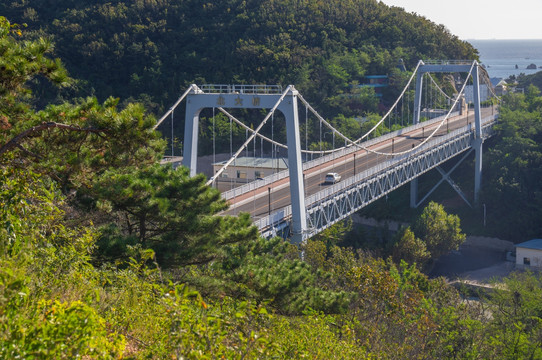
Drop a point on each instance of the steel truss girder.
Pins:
(338, 206)
(446, 177)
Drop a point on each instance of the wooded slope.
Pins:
(150, 50)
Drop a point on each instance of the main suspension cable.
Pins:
(355, 143)
(171, 109)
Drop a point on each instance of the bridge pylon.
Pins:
(255, 97)
(453, 66)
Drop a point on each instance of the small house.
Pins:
(499, 85)
(251, 168)
(529, 253)
(175, 161)
(377, 82)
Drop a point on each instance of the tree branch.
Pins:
(28, 152)
(15, 142)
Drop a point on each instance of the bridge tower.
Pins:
(453, 67)
(255, 97)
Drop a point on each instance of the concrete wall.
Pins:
(489, 243)
(250, 172)
(535, 257)
(391, 225)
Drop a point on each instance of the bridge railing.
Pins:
(447, 62)
(241, 89)
(342, 204)
(270, 179)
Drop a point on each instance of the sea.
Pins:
(500, 57)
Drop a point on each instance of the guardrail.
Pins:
(447, 62)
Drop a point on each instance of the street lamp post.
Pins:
(332, 133)
(269, 201)
(332, 143)
(333, 148)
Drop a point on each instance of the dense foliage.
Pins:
(524, 81)
(513, 192)
(97, 261)
(167, 210)
(434, 234)
(152, 50)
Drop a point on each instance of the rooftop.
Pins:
(535, 244)
(497, 81)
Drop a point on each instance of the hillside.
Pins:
(151, 50)
(105, 254)
(534, 79)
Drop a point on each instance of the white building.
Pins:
(176, 161)
(485, 93)
(529, 253)
(251, 168)
(500, 86)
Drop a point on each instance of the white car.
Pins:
(332, 178)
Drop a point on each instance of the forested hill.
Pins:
(150, 50)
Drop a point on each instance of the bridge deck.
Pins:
(256, 201)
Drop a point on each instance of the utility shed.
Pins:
(529, 253)
(251, 167)
(176, 161)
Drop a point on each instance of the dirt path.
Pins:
(475, 264)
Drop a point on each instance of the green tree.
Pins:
(516, 329)
(21, 62)
(315, 253)
(369, 122)
(440, 231)
(169, 211)
(86, 139)
(410, 249)
(513, 168)
(524, 81)
(71, 143)
(335, 233)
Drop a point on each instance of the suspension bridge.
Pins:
(424, 128)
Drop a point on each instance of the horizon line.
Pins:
(500, 39)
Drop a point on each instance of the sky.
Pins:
(481, 19)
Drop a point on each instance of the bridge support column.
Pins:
(191, 129)
(418, 96)
(414, 193)
(477, 142)
(477, 145)
(295, 166)
(196, 100)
